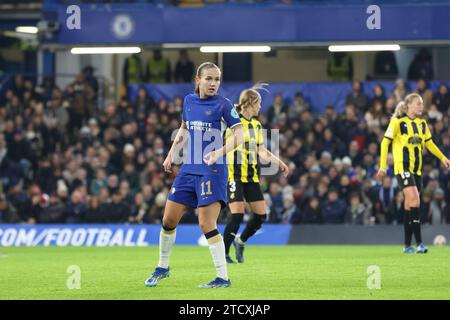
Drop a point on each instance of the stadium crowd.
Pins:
(64, 160)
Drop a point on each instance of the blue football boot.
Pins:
(421, 248)
(217, 283)
(409, 250)
(159, 274)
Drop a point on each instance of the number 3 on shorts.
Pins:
(232, 186)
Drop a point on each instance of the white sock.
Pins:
(217, 249)
(166, 241)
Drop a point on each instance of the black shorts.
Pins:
(237, 191)
(407, 179)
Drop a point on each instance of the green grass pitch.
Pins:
(270, 273)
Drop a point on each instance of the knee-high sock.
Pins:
(253, 225)
(217, 249)
(166, 240)
(231, 230)
(415, 222)
(408, 228)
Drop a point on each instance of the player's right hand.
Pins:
(446, 163)
(284, 169)
(167, 164)
(212, 157)
(380, 174)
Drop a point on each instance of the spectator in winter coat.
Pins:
(334, 209)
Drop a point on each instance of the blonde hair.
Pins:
(249, 97)
(203, 66)
(402, 106)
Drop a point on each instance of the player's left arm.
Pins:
(268, 156)
(431, 146)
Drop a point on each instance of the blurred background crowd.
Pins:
(63, 158)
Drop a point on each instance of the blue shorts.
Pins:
(199, 191)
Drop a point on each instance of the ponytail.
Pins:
(250, 96)
(402, 106)
(238, 107)
(400, 110)
(260, 86)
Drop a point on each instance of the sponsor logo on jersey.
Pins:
(415, 140)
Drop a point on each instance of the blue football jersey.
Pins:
(206, 119)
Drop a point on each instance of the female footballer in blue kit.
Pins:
(202, 180)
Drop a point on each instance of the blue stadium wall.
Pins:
(150, 24)
(319, 95)
(145, 235)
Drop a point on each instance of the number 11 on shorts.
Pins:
(208, 185)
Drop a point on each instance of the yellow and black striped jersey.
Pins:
(243, 160)
(408, 137)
